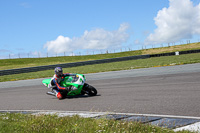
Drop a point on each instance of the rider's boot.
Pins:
(57, 94)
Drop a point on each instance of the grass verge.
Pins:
(25, 123)
(115, 66)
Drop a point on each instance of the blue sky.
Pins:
(34, 28)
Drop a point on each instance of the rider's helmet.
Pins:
(58, 71)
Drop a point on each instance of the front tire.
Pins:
(90, 90)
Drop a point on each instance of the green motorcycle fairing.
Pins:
(73, 81)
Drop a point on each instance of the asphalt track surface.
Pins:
(172, 90)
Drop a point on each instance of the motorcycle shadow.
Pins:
(79, 96)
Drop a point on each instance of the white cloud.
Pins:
(94, 39)
(60, 45)
(181, 20)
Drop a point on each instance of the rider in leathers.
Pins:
(56, 80)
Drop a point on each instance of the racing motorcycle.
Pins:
(77, 85)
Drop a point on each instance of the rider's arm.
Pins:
(57, 85)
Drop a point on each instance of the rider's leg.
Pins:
(55, 90)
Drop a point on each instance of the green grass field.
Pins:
(26, 123)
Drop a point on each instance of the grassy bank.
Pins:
(123, 65)
(25, 123)
(30, 62)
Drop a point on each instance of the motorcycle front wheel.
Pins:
(88, 89)
(92, 91)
